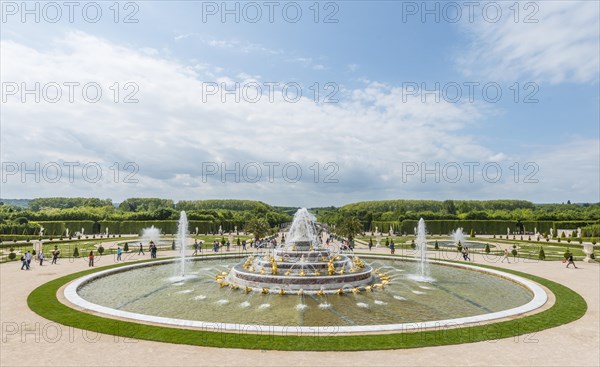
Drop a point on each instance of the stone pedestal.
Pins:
(588, 250)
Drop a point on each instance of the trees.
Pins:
(259, 227)
(349, 227)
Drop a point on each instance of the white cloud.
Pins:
(562, 47)
(171, 131)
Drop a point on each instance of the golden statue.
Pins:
(248, 289)
(281, 292)
(273, 267)
(331, 267)
(355, 290)
(265, 291)
(320, 292)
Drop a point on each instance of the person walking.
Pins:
(91, 258)
(370, 244)
(392, 247)
(41, 257)
(571, 261)
(119, 252)
(141, 249)
(28, 257)
(153, 250)
(55, 255)
(243, 245)
(505, 256)
(23, 263)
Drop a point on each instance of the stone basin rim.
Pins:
(539, 299)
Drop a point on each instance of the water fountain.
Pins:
(151, 234)
(301, 265)
(458, 236)
(421, 255)
(332, 288)
(182, 232)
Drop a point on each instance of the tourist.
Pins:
(370, 244)
(465, 253)
(91, 258)
(392, 247)
(153, 250)
(505, 256)
(24, 263)
(28, 257)
(141, 249)
(41, 256)
(244, 245)
(55, 255)
(195, 247)
(570, 261)
(119, 252)
(228, 244)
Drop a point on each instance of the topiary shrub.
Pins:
(173, 245)
(569, 240)
(580, 240)
(472, 233)
(33, 253)
(494, 236)
(558, 239)
(542, 254)
(126, 247)
(514, 251)
(487, 248)
(100, 250)
(387, 242)
(459, 247)
(413, 245)
(12, 256)
(593, 241)
(76, 252)
(436, 246)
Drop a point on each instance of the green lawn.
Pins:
(569, 306)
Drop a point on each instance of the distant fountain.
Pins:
(458, 236)
(182, 232)
(421, 254)
(151, 234)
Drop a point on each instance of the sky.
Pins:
(301, 103)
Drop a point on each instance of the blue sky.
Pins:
(367, 141)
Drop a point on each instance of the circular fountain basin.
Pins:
(460, 295)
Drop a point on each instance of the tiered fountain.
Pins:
(302, 265)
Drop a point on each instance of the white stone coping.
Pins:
(539, 299)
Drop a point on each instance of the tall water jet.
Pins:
(421, 255)
(302, 231)
(458, 236)
(151, 234)
(182, 232)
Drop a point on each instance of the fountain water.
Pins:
(182, 232)
(458, 236)
(421, 244)
(151, 234)
(301, 265)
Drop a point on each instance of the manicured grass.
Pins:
(569, 306)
